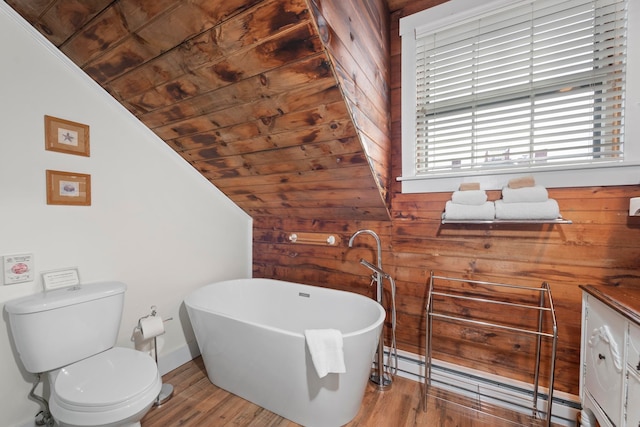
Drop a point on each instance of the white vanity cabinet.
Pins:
(610, 356)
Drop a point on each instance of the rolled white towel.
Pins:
(457, 211)
(548, 209)
(536, 193)
(469, 197)
(325, 347)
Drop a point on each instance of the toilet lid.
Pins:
(106, 379)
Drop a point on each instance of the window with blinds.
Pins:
(537, 85)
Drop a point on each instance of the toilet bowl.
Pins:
(113, 388)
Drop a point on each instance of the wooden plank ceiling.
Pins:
(252, 93)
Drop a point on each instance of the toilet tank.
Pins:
(55, 328)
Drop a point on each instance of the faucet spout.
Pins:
(378, 244)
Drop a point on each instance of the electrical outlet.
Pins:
(18, 268)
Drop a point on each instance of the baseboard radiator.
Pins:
(488, 388)
(478, 385)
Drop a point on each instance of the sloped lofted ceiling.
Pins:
(282, 104)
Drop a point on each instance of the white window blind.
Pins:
(537, 85)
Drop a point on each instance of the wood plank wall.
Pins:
(356, 37)
(602, 246)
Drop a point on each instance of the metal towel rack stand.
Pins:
(490, 293)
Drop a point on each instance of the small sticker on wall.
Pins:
(18, 268)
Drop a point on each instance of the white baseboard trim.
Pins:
(485, 387)
(167, 362)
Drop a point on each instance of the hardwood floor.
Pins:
(197, 402)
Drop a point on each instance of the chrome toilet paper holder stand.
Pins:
(166, 392)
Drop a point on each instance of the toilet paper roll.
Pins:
(634, 206)
(151, 326)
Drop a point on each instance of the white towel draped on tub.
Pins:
(325, 347)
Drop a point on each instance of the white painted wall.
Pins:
(154, 222)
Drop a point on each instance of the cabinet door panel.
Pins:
(604, 358)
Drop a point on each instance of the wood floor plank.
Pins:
(197, 403)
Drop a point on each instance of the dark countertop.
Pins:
(623, 299)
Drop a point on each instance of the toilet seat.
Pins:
(104, 388)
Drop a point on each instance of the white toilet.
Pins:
(70, 334)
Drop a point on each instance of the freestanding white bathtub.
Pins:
(251, 336)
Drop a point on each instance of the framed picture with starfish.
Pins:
(66, 136)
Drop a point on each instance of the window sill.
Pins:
(628, 174)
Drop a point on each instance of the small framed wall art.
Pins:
(66, 136)
(67, 188)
